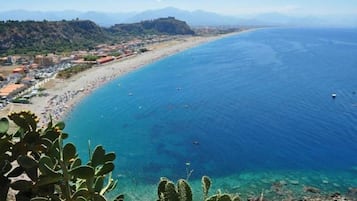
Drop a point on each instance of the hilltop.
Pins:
(48, 36)
(169, 26)
(30, 37)
(194, 18)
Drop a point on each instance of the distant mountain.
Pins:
(23, 15)
(169, 25)
(101, 18)
(105, 19)
(204, 18)
(194, 18)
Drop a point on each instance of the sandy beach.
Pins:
(64, 94)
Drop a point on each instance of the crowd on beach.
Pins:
(59, 105)
(64, 94)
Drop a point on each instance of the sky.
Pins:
(226, 7)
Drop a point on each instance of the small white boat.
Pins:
(333, 95)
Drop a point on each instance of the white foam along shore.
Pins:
(64, 94)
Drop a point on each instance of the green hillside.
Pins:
(37, 37)
(32, 37)
(169, 26)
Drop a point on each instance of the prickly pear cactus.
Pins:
(5, 158)
(55, 170)
(167, 191)
(171, 192)
(184, 190)
(236, 198)
(161, 188)
(206, 184)
(223, 197)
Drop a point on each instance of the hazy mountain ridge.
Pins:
(101, 18)
(193, 18)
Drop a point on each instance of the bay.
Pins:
(255, 107)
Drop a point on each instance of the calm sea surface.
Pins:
(246, 110)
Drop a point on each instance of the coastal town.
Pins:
(58, 50)
(33, 83)
(178, 100)
(23, 77)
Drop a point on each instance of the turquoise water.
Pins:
(247, 110)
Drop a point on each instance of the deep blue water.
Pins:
(255, 102)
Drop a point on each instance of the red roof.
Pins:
(105, 59)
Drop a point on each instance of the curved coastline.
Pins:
(246, 180)
(63, 95)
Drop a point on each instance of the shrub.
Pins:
(69, 72)
(91, 58)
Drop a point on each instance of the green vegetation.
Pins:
(21, 100)
(91, 58)
(169, 26)
(34, 37)
(115, 54)
(53, 168)
(69, 72)
(40, 166)
(167, 191)
(54, 171)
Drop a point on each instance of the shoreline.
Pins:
(65, 94)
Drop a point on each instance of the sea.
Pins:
(253, 111)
